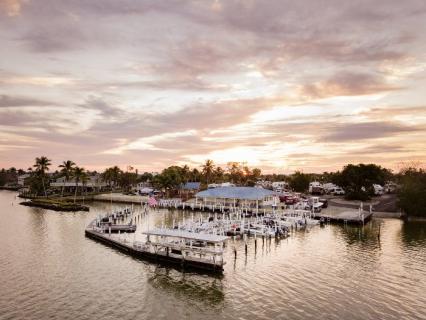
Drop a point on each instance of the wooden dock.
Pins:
(350, 216)
(347, 217)
(159, 257)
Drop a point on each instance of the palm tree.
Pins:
(67, 170)
(84, 179)
(115, 175)
(42, 165)
(107, 176)
(208, 169)
(186, 173)
(78, 175)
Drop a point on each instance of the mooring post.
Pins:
(245, 243)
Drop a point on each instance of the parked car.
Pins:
(288, 199)
(337, 191)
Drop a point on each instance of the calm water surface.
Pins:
(49, 270)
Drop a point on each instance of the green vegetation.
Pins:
(67, 170)
(79, 175)
(9, 176)
(358, 180)
(173, 177)
(299, 181)
(41, 166)
(412, 194)
(54, 204)
(116, 178)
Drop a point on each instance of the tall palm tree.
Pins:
(78, 175)
(107, 176)
(115, 173)
(84, 179)
(186, 173)
(208, 169)
(67, 168)
(42, 165)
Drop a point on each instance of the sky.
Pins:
(281, 85)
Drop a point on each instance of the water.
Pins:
(49, 270)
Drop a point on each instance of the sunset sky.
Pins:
(282, 85)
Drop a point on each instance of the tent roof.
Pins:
(191, 186)
(242, 193)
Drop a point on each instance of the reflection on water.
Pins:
(413, 233)
(205, 289)
(48, 269)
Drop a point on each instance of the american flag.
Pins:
(152, 202)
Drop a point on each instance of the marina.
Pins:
(335, 267)
(198, 242)
(212, 160)
(170, 246)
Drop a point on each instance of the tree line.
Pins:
(356, 180)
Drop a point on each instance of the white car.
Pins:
(337, 192)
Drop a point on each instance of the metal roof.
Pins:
(186, 235)
(242, 193)
(191, 186)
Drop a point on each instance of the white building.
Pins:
(21, 179)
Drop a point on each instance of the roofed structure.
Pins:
(239, 193)
(191, 186)
(186, 235)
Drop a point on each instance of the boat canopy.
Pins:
(186, 235)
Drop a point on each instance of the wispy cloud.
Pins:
(283, 85)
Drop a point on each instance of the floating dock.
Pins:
(169, 253)
(347, 217)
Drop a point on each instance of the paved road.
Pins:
(386, 203)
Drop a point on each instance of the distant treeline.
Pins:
(356, 180)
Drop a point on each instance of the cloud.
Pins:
(347, 84)
(287, 84)
(364, 131)
(106, 110)
(9, 101)
(11, 8)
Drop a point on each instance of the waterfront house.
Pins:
(22, 178)
(93, 183)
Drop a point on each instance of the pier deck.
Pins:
(160, 257)
(349, 216)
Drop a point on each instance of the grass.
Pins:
(55, 204)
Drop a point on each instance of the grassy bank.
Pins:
(54, 204)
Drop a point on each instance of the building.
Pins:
(21, 179)
(93, 183)
(188, 189)
(316, 187)
(280, 186)
(223, 184)
(244, 197)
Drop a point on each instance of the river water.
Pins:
(49, 270)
